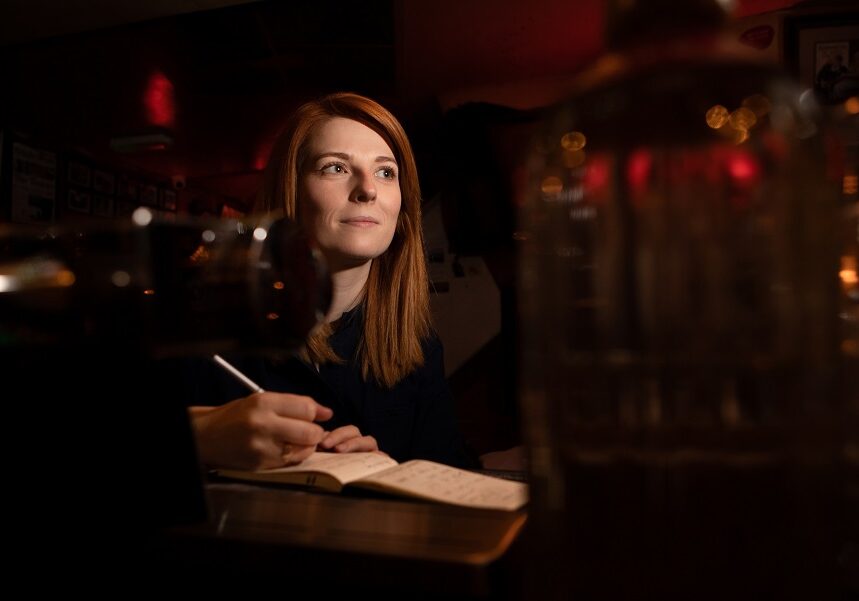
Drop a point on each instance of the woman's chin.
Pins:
(351, 258)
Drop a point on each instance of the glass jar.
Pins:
(679, 294)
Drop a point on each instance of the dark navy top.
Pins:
(416, 419)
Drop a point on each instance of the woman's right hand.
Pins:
(263, 430)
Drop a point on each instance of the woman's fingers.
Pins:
(295, 406)
(341, 434)
(294, 431)
(354, 445)
(252, 432)
(292, 454)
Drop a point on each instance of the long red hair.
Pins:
(396, 295)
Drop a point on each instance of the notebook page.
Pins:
(343, 466)
(438, 482)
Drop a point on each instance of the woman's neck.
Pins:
(347, 283)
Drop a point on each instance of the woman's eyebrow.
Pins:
(339, 155)
(346, 157)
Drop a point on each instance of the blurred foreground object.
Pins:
(192, 286)
(684, 390)
(101, 450)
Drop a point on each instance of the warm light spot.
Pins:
(573, 158)
(278, 286)
(159, 100)
(758, 104)
(717, 116)
(120, 279)
(552, 185)
(260, 234)
(141, 216)
(848, 277)
(8, 283)
(850, 184)
(200, 254)
(574, 140)
(521, 236)
(208, 236)
(740, 136)
(272, 316)
(851, 105)
(742, 119)
(149, 292)
(65, 277)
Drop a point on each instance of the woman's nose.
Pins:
(365, 188)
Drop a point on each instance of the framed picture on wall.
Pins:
(79, 201)
(168, 200)
(128, 189)
(124, 207)
(102, 206)
(149, 195)
(102, 181)
(79, 174)
(824, 55)
(34, 184)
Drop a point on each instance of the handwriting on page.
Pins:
(343, 466)
(444, 483)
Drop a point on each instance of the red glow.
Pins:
(743, 167)
(158, 99)
(596, 174)
(262, 154)
(638, 169)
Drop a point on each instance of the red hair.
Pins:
(396, 295)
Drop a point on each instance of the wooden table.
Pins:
(260, 536)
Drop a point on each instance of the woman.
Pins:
(344, 169)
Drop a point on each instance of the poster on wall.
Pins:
(827, 61)
(836, 73)
(102, 206)
(102, 181)
(149, 195)
(79, 174)
(34, 184)
(168, 200)
(79, 201)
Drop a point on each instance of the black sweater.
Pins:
(415, 419)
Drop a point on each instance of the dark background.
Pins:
(466, 78)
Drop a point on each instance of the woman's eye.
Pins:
(387, 173)
(333, 168)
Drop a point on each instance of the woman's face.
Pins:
(349, 192)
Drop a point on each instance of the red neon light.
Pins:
(159, 101)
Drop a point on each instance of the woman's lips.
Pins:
(360, 221)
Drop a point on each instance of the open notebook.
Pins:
(417, 478)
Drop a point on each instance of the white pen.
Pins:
(253, 386)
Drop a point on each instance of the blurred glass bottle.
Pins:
(681, 382)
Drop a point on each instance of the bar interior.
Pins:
(432, 299)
